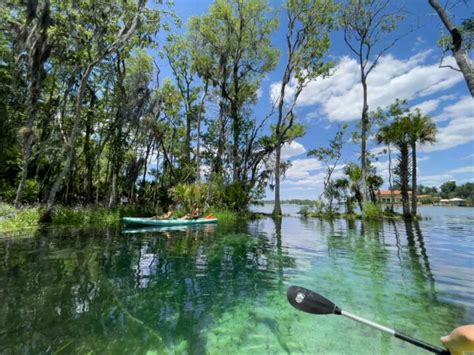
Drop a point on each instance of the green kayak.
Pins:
(166, 222)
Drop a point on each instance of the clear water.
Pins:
(222, 288)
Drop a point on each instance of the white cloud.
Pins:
(425, 158)
(291, 150)
(460, 127)
(464, 107)
(340, 96)
(429, 106)
(312, 181)
(434, 180)
(464, 170)
(301, 168)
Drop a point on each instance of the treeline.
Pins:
(88, 118)
(449, 190)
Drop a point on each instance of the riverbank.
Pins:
(12, 219)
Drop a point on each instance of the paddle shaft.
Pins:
(419, 343)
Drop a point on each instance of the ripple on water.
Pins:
(222, 289)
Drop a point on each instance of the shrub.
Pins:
(30, 191)
(371, 211)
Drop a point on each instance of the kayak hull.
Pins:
(166, 222)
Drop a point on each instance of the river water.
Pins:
(222, 288)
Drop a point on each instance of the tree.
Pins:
(447, 188)
(179, 55)
(384, 136)
(343, 185)
(330, 156)
(421, 130)
(396, 132)
(457, 45)
(236, 53)
(307, 42)
(102, 50)
(32, 37)
(364, 23)
(354, 174)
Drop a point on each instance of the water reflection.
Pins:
(216, 288)
(164, 286)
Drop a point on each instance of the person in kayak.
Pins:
(195, 214)
(460, 341)
(166, 215)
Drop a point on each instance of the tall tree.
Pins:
(32, 37)
(330, 156)
(102, 49)
(307, 42)
(456, 47)
(235, 45)
(421, 130)
(396, 131)
(365, 23)
(178, 53)
(384, 136)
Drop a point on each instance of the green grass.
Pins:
(28, 217)
(12, 219)
(372, 211)
(228, 216)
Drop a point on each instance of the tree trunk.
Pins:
(414, 199)
(392, 201)
(459, 56)
(88, 154)
(188, 137)
(363, 138)
(217, 166)
(198, 138)
(71, 146)
(404, 180)
(113, 191)
(38, 52)
(277, 207)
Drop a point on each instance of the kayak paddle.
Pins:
(311, 302)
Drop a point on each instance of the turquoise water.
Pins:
(222, 288)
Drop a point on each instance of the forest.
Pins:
(87, 118)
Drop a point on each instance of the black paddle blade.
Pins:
(308, 301)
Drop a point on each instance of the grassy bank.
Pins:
(371, 212)
(12, 219)
(29, 217)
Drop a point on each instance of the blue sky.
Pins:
(410, 70)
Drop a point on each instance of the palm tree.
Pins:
(396, 134)
(384, 136)
(354, 173)
(342, 185)
(422, 130)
